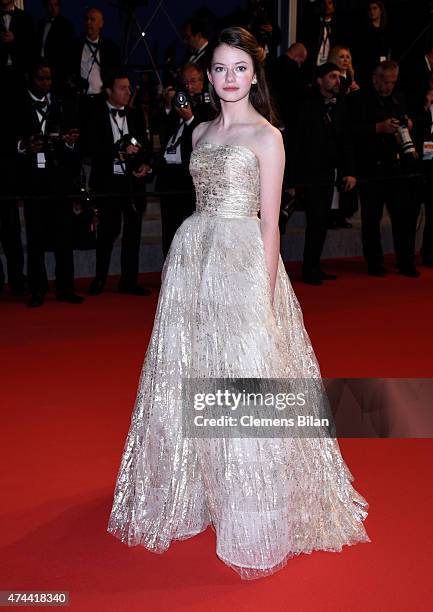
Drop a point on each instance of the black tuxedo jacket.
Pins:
(415, 78)
(288, 87)
(316, 147)
(98, 143)
(109, 59)
(21, 50)
(59, 45)
(62, 163)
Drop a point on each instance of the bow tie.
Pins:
(41, 105)
(118, 112)
(94, 45)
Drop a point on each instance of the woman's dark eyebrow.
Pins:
(221, 64)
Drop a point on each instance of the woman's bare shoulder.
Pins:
(199, 131)
(267, 136)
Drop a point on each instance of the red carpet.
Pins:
(69, 377)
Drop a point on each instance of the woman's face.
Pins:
(232, 73)
(374, 11)
(344, 59)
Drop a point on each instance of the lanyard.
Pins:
(121, 129)
(94, 53)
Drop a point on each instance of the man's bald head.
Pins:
(298, 53)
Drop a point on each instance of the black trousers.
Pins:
(401, 196)
(111, 213)
(49, 222)
(318, 201)
(10, 238)
(175, 208)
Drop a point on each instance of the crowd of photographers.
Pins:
(80, 144)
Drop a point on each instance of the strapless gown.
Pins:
(267, 499)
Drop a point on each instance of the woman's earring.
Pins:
(254, 81)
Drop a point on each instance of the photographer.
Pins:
(115, 140)
(182, 111)
(46, 142)
(386, 156)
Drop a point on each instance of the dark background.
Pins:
(408, 18)
(160, 33)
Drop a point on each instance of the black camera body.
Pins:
(120, 152)
(49, 141)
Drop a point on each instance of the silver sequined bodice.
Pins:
(226, 180)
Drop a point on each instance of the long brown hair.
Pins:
(383, 14)
(245, 41)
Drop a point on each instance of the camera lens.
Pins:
(181, 99)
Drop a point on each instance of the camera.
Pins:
(183, 100)
(48, 141)
(120, 151)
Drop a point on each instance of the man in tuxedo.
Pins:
(320, 33)
(46, 140)
(196, 39)
(377, 115)
(16, 43)
(320, 153)
(10, 225)
(176, 126)
(97, 57)
(55, 41)
(115, 141)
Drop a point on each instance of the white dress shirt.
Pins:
(91, 69)
(119, 127)
(47, 29)
(325, 45)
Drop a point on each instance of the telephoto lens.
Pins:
(406, 142)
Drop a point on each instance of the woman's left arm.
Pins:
(271, 156)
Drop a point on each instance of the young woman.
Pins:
(373, 42)
(227, 310)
